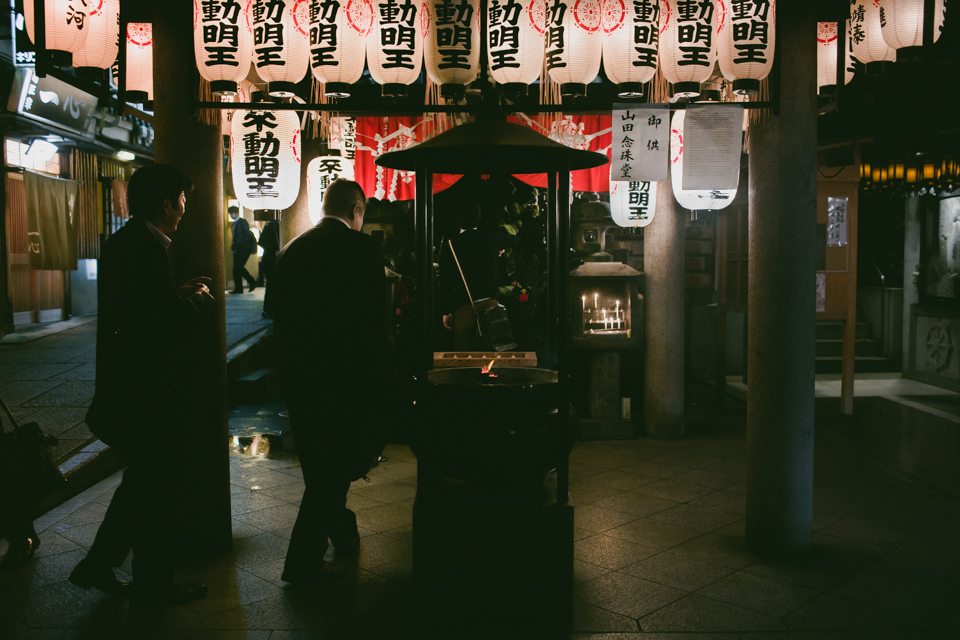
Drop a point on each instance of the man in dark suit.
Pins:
(243, 245)
(330, 323)
(143, 322)
(270, 241)
(478, 253)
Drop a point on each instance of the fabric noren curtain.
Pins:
(52, 205)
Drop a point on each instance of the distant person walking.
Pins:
(330, 323)
(244, 244)
(143, 323)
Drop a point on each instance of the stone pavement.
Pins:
(658, 553)
(49, 377)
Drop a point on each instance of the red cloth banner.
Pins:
(378, 135)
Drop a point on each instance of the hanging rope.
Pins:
(207, 116)
(550, 95)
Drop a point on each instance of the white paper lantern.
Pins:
(515, 38)
(223, 42)
(688, 44)
(631, 37)
(827, 41)
(395, 47)
(139, 64)
(265, 155)
(866, 40)
(574, 43)
(281, 45)
(321, 172)
(901, 24)
(746, 34)
(338, 35)
(103, 37)
(633, 204)
(451, 50)
(343, 135)
(66, 26)
(693, 199)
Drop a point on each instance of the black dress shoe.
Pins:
(252, 287)
(87, 575)
(170, 595)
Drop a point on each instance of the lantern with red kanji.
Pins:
(281, 49)
(338, 35)
(451, 51)
(746, 33)
(395, 47)
(866, 39)
(688, 44)
(631, 36)
(223, 42)
(100, 50)
(66, 27)
(574, 43)
(139, 62)
(828, 41)
(265, 156)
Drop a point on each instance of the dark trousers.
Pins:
(142, 516)
(267, 263)
(323, 511)
(240, 272)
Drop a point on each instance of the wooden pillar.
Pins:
(197, 250)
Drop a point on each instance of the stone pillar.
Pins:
(296, 219)
(664, 264)
(782, 299)
(197, 250)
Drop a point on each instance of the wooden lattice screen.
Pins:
(83, 168)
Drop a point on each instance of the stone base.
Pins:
(499, 560)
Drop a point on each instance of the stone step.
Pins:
(834, 348)
(860, 365)
(833, 330)
(254, 387)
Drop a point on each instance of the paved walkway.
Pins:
(659, 553)
(47, 372)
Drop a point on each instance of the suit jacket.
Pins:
(329, 311)
(479, 256)
(141, 327)
(270, 237)
(243, 239)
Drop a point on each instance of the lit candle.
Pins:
(594, 301)
(584, 300)
(618, 314)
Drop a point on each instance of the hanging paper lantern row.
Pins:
(515, 39)
(281, 48)
(633, 204)
(103, 40)
(901, 24)
(223, 42)
(746, 35)
(338, 34)
(574, 43)
(867, 43)
(265, 157)
(66, 26)
(395, 48)
(688, 44)
(827, 44)
(452, 48)
(321, 172)
(693, 199)
(139, 54)
(631, 38)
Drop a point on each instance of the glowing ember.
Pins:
(487, 368)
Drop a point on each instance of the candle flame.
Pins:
(487, 368)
